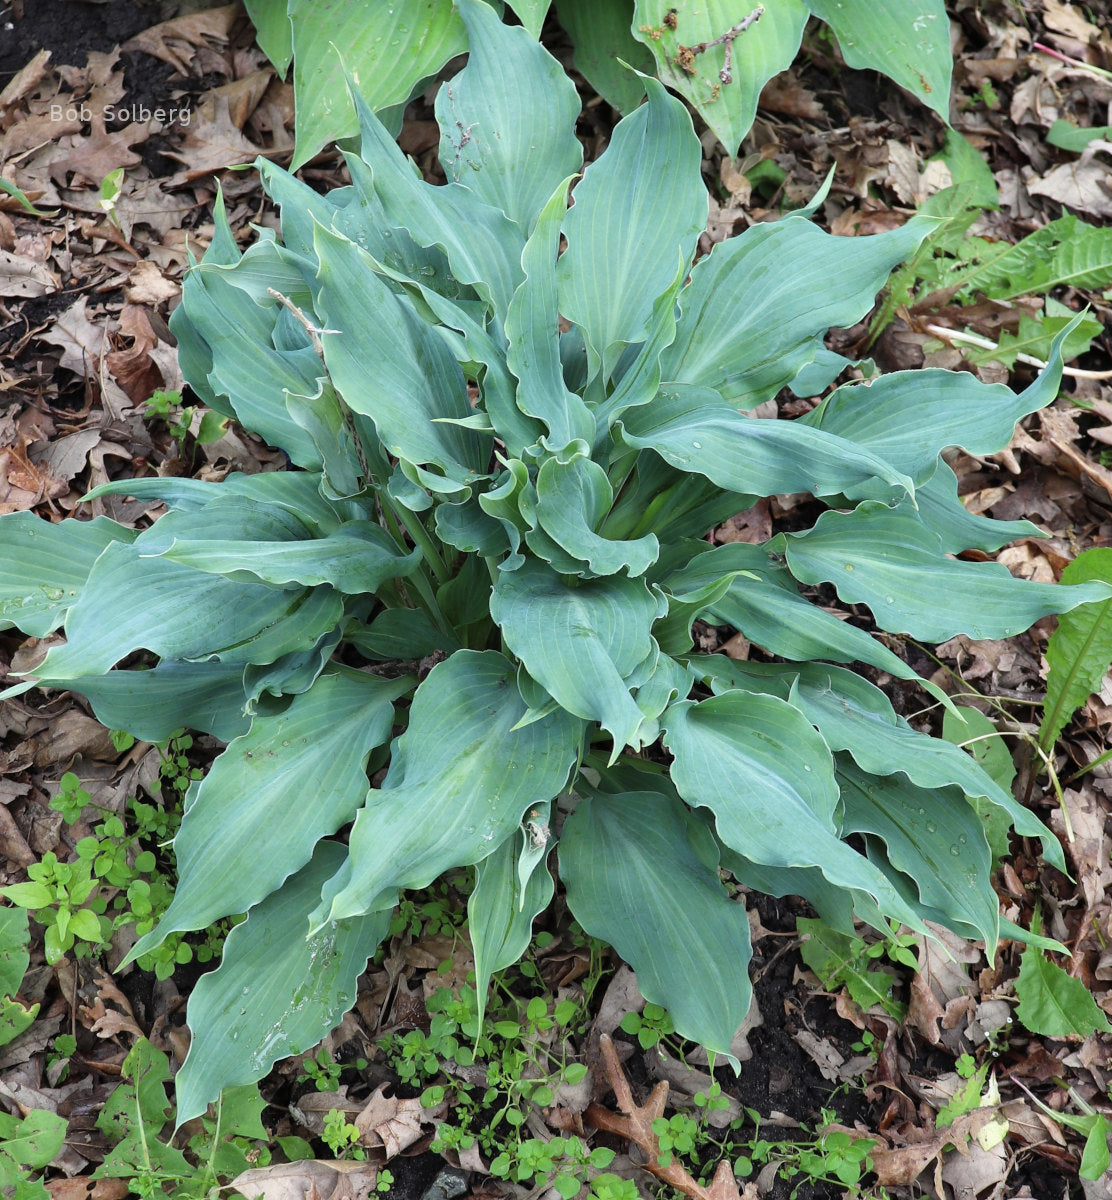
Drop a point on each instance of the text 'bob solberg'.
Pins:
(129, 114)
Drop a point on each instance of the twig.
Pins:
(686, 54)
(973, 339)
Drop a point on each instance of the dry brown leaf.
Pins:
(83, 1188)
(25, 79)
(92, 158)
(23, 277)
(148, 285)
(1081, 185)
(173, 41)
(391, 1123)
(312, 1179)
(81, 340)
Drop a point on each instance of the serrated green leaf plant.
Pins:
(477, 579)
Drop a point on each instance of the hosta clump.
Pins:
(527, 510)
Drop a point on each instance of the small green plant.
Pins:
(493, 538)
(650, 1026)
(167, 406)
(114, 881)
(341, 1137)
(325, 1072)
(136, 1113)
(841, 959)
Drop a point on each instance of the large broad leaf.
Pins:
(581, 643)
(533, 335)
(908, 42)
(1080, 649)
(507, 120)
(276, 991)
(763, 602)
(460, 778)
(240, 355)
(695, 430)
(415, 380)
(935, 838)
(952, 408)
(272, 31)
(295, 492)
(604, 45)
(573, 499)
(482, 244)
(886, 558)
(765, 49)
(151, 705)
(247, 825)
(757, 763)
(211, 617)
(647, 179)
(46, 566)
(852, 715)
(501, 908)
(388, 48)
(758, 304)
(958, 529)
(359, 557)
(633, 879)
(531, 13)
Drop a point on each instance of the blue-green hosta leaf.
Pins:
(254, 797)
(388, 365)
(486, 345)
(635, 207)
(759, 304)
(1080, 649)
(239, 369)
(531, 14)
(507, 120)
(400, 633)
(272, 31)
(935, 838)
(942, 512)
(765, 49)
(639, 373)
(276, 992)
(482, 244)
(695, 430)
(46, 566)
(573, 498)
(853, 715)
(887, 558)
(764, 604)
(950, 408)
(291, 674)
(835, 905)
(908, 42)
(757, 763)
(334, 435)
(460, 779)
(532, 333)
(633, 879)
(124, 608)
(580, 643)
(604, 44)
(387, 48)
(359, 557)
(295, 492)
(151, 705)
(501, 910)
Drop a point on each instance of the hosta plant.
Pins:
(511, 422)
